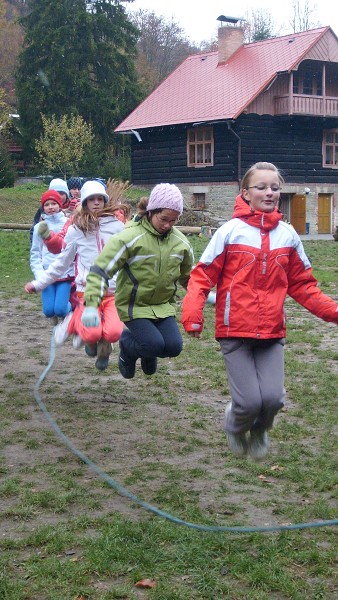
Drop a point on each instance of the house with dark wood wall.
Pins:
(219, 112)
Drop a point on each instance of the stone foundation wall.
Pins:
(220, 200)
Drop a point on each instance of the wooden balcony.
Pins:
(299, 104)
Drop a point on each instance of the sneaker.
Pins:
(237, 442)
(61, 332)
(77, 342)
(104, 349)
(91, 350)
(258, 444)
(127, 370)
(149, 365)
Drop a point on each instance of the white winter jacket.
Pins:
(40, 257)
(84, 248)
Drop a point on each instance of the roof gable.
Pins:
(200, 89)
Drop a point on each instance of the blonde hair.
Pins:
(259, 166)
(87, 221)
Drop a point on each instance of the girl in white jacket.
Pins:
(55, 297)
(92, 226)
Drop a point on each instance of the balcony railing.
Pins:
(300, 104)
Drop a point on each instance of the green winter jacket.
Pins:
(149, 264)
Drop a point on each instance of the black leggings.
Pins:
(150, 338)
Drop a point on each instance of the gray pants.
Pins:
(255, 371)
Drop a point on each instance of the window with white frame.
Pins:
(200, 147)
(330, 148)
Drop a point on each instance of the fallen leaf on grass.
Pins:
(265, 479)
(276, 468)
(145, 583)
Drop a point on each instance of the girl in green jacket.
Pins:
(151, 256)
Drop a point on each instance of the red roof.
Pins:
(200, 89)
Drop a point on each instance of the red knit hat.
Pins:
(51, 195)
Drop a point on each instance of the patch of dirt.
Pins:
(143, 432)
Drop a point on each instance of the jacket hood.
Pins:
(256, 218)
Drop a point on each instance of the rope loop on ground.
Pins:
(128, 494)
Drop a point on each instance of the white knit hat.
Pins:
(93, 188)
(59, 185)
(165, 195)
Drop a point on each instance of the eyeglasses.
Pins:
(165, 221)
(262, 187)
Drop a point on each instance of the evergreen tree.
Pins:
(78, 59)
(114, 90)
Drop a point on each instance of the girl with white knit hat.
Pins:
(92, 226)
(151, 257)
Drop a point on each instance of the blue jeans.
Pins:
(150, 338)
(55, 299)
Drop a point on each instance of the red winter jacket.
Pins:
(255, 259)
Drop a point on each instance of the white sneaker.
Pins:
(258, 445)
(77, 342)
(237, 442)
(61, 331)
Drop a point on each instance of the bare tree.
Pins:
(161, 47)
(303, 17)
(259, 25)
(11, 39)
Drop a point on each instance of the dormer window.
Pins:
(200, 147)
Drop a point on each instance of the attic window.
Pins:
(200, 147)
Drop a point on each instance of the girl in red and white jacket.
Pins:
(254, 259)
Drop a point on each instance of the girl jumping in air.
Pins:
(151, 256)
(254, 259)
(92, 226)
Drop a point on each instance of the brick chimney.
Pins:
(229, 40)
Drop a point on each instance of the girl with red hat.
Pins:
(55, 297)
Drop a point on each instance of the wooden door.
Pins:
(324, 213)
(298, 212)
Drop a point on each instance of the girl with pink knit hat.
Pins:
(151, 256)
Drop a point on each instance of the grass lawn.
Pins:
(20, 203)
(66, 535)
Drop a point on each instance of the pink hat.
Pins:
(165, 195)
